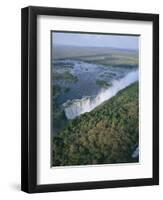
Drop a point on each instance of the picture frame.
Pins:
(29, 98)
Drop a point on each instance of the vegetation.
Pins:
(115, 60)
(108, 134)
(66, 75)
(99, 55)
(57, 111)
(55, 91)
(66, 89)
(102, 83)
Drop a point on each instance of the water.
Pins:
(84, 94)
(135, 154)
(77, 107)
(87, 75)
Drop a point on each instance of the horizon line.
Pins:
(94, 46)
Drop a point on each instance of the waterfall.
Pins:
(135, 154)
(77, 107)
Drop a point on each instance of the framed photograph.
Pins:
(90, 99)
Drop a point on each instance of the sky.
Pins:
(95, 40)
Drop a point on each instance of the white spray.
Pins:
(77, 107)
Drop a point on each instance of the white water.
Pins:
(77, 107)
(135, 153)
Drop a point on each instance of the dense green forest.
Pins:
(108, 134)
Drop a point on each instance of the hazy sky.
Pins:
(98, 40)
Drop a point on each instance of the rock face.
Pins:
(77, 107)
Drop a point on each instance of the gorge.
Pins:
(76, 107)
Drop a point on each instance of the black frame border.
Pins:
(29, 99)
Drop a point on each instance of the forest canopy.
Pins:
(107, 134)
